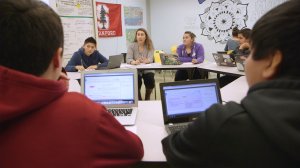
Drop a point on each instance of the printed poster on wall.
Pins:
(109, 23)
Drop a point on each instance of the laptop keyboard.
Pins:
(179, 127)
(120, 112)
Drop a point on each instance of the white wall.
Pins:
(117, 45)
(171, 18)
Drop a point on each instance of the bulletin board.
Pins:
(78, 22)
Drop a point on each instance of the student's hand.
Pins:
(244, 46)
(146, 60)
(79, 68)
(92, 67)
(64, 78)
(140, 59)
(194, 61)
(137, 62)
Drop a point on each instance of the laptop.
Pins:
(169, 59)
(116, 89)
(240, 62)
(114, 61)
(224, 60)
(183, 101)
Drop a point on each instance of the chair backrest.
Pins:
(124, 55)
(174, 49)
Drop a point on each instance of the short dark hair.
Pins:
(90, 40)
(235, 31)
(245, 32)
(191, 34)
(279, 30)
(30, 34)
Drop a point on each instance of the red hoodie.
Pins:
(42, 125)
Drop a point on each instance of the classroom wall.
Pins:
(169, 19)
(117, 45)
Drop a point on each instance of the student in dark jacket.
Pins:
(264, 130)
(243, 50)
(86, 57)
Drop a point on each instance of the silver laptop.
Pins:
(183, 101)
(114, 61)
(224, 60)
(116, 89)
(240, 62)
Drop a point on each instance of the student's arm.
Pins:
(192, 146)
(200, 53)
(115, 146)
(129, 56)
(103, 60)
(150, 56)
(73, 62)
(226, 47)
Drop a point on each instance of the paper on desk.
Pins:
(126, 66)
(188, 63)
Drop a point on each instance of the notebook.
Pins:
(114, 61)
(183, 101)
(224, 60)
(169, 59)
(116, 89)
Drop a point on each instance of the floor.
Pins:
(164, 76)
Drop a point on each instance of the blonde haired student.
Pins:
(141, 51)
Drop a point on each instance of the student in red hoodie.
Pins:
(41, 124)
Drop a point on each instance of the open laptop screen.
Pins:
(186, 99)
(110, 88)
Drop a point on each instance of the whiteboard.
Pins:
(77, 20)
(76, 30)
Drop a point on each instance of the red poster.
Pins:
(109, 22)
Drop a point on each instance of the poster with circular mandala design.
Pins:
(218, 20)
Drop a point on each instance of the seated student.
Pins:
(41, 124)
(189, 51)
(264, 130)
(87, 57)
(142, 51)
(242, 50)
(233, 42)
(244, 45)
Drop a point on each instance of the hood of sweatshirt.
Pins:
(275, 107)
(22, 93)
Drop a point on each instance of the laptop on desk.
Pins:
(240, 62)
(114, 61)
(224, 60)
(183, 101)
(116, 89)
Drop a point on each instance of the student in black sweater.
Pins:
(264, 130)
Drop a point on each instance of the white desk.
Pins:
(149, 126)
(236, 90)
(213, 67)
(156, 66)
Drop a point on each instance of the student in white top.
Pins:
(142, 51)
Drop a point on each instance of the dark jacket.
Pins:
(44, 126)
(79, 58)
(262, 131)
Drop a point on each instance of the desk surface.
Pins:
(213, 67)
(149, 125)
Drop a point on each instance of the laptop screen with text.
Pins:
(110, 88)
(186, 99)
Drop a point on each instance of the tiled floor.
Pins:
(160, 77)
(164, 76)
